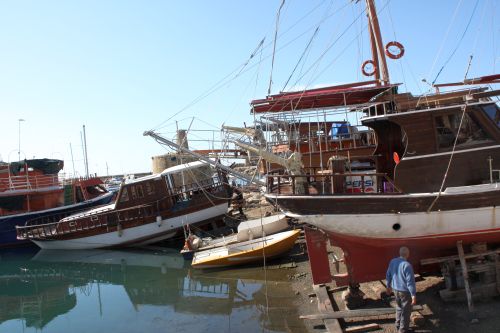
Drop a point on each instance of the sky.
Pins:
(123, 67)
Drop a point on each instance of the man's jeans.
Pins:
(403, 311)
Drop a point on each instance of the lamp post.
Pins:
(19, 146)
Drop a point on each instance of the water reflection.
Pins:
(135, 291)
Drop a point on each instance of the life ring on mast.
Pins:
(395, 55)
(364, 70)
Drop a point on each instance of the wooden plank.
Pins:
(325, 307)
(362, 328)
(465, 274)
(357, 313)
(318, 256)
(497, 266)
(466, 256)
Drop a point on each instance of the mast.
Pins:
(85, 152)
(377, 46)
(203, 158)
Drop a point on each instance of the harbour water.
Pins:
(138, 291)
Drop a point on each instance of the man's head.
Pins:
(404, 252)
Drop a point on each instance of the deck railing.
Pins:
(328, 184)
(54, 225)
(36, 182)
(28, 182)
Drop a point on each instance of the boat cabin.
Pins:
(455, 133)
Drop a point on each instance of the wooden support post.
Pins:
(465, 274)
(325, 307)
(497, 266)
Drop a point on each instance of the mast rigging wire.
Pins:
(458, 44)
(274, 45)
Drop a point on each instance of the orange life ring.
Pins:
(363, 68)
(392, 55)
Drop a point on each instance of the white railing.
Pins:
(28, 182)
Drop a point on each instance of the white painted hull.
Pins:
(408, 225)
(143, 234)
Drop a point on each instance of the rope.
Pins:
(274, 45)
(301, 57)
(458, 44)
(449, 161)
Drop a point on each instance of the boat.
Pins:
(147, 210)
(33, 189)
(435, 181)
(250, 251)
(246, 230)
(315, 141)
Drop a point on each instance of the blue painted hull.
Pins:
(8, 237)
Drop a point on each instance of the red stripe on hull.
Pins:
(367, 258)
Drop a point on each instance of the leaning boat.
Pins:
(246, 230)
(246, 252)
(33, 189)
(147, 210)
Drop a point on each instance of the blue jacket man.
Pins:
(401, 279)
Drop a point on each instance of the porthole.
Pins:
(396, 226)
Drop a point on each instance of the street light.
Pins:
(19, 146)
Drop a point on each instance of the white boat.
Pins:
(247, 230)
(147, 210)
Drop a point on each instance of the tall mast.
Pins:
(377, 46)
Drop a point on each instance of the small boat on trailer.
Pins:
(247, 230)
(246, 252)
(147, 210)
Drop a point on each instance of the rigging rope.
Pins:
(301, 57)
(458, 44)
(274, 45)
(449, 161)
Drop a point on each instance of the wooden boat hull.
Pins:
(370, 240)
(142, 234)
(246, 252)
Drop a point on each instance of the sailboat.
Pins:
(436, 175)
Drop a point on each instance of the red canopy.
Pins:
(348, 94)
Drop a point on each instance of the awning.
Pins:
(333, 96)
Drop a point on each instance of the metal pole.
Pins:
(72, 160)
(19, 140)
(85, 151)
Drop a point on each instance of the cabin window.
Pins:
(79, 194)
(133, 192)
(140, 192)
(447, 128)
(124, 195)
(150, 189)
(493, 112)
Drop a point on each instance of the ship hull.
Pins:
(141, 234)
(372, 234)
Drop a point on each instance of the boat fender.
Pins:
(158, 221)
(394, 55)
(119, 229)
(364, 69)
